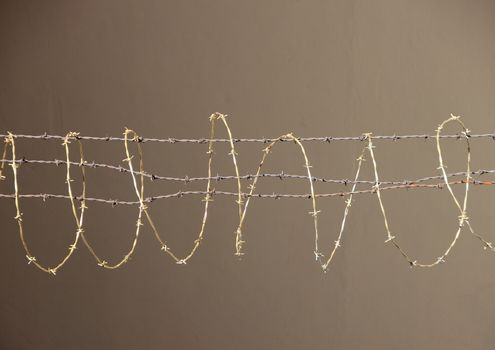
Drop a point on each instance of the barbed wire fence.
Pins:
(243, 198)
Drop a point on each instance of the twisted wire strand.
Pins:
(244, 195)
(243, 198)
(217, 178)
(327, 139)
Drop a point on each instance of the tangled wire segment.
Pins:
(242, 198)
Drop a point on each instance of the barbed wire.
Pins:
(282, 175)
(327, 139)
(180, 194)
(242, 197)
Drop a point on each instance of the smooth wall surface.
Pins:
(315, 68)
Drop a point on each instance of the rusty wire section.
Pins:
(243, 198)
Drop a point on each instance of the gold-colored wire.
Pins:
(140, 193)
(243, 199)
(10, 141)
(462, 218)
(208, 198)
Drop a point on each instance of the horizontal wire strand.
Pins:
(327, 139)
(282, 175)
(180, 194)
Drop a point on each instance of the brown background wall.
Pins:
(312, 67)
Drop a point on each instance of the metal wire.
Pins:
(180, 194)
(242, 198)
(282, 175)
(327, 139)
